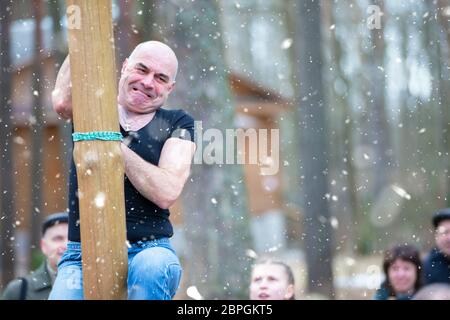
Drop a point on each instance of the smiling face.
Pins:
(148, 76)
(402, 276)
(270, 282)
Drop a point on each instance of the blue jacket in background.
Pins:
(436, 268)
(383, 294)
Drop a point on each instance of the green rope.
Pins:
(98, 135)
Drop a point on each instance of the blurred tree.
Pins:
(37, 129)
(148, 20)
(443, 13)
(58, 44)
(125, 31)
(407, 126)
(6, 147)
(377, 109)
(214, 206)
(59, 53)
(314, 148)
(340, 94)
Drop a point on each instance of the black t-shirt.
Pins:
(144, 219)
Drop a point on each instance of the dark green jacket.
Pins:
(39, 285)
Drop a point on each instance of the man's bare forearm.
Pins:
(159, 185)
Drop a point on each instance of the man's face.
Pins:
(146, 81)
(442, 237)
(270, 282)
(54, 243)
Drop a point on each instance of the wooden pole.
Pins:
(100, 167)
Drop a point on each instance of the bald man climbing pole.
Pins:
(158, 148)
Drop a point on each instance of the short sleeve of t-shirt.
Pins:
(183, 126)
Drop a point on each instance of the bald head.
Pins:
(148, 77)
(158, 50)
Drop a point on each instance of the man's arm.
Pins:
(62, 94)
(164, 183)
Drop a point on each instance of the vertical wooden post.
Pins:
(99, 164)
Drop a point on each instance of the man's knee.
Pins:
(154, 273)
(153, 261)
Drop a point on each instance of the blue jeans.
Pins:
(154, 272)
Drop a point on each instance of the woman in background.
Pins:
(402, 268)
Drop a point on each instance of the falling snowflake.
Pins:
(193, 293)
(286, 44)
(251, 253)
(334, 222)
(401, 192)
(100, 200)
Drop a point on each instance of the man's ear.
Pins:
(124, 65)
(172, 85)
(43, 247)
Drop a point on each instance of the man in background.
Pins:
(436, 266)
(38, 284)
